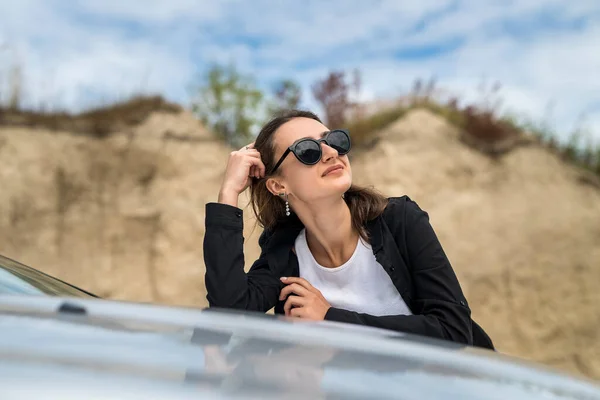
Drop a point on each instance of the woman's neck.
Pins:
(329, 232)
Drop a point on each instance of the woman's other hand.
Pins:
(303, 300)
(242, 166)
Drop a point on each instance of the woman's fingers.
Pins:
(251, 152)
(248, 147)
(298, 281)
(291, 302)
(293, 288)
(297, 312)
(242, 165)
(255, 170)
(258, 164)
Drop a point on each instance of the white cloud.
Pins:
(156, 11)
(558, 68)
(103, 70)
(109, 48)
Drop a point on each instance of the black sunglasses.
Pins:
(308, 151)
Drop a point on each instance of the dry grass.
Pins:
(98, 122)
(482, 126)
(362, 130)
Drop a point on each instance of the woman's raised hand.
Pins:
(242, 165)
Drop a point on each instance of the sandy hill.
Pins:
(122, 214)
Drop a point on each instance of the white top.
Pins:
(361, 284)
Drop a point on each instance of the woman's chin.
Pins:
(338, 187)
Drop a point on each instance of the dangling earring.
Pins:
(287, 205)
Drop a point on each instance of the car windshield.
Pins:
(16, 278)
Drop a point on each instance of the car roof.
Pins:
(123, 350)
(17, 278)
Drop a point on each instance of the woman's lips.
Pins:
(334, 169)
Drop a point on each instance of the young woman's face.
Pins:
(311, 182)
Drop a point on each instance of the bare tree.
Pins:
(287, 95)
(333, 93)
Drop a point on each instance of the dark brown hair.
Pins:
(365, 204)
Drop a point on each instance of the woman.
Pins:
(330, 250)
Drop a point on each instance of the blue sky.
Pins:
(546, 54)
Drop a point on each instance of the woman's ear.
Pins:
(275, 187)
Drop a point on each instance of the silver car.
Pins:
(71, 345)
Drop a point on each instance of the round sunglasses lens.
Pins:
(308, 152)
(339, 141)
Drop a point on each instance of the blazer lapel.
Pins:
(387, 254)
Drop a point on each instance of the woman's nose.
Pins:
(328, 151)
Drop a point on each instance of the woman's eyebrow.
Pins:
(321, 135)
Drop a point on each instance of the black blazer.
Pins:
(403, 242)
